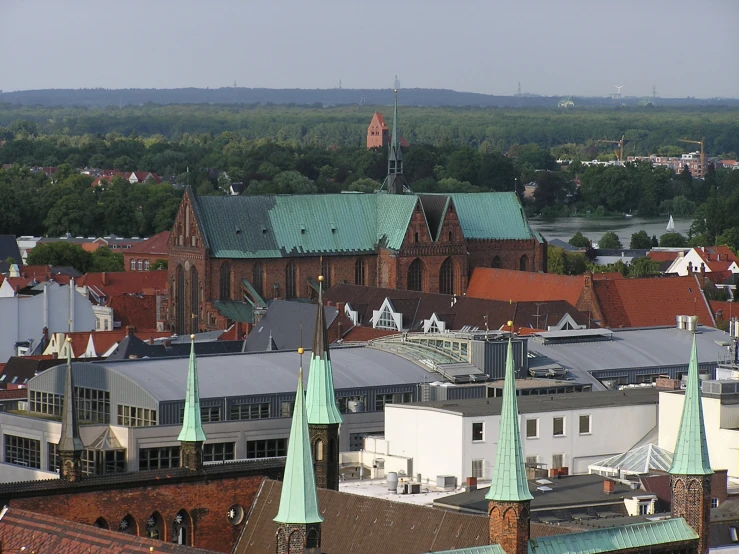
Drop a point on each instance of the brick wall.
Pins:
(206, 501)
(127, 257)
(510, 526)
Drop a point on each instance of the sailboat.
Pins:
(671, 225)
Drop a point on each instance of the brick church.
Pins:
(229, 256)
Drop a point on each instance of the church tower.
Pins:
(192, 435)
(509, 496)
(70, 445)
(395, 182)
(691, 469)
(324, 417)
(298, 518)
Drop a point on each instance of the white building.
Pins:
(705, 258)
(59, 308)
(721, 420)
(566, 430)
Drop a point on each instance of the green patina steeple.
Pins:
(509, 482)
(691, 449)
(320, 402)
(299, 501)
(192, 427)
(395, 159)
(69, 441)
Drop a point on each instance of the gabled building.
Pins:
(145, 255)
(378, 134)
(705, 259)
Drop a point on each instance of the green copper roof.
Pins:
(491, 215)
(235, 311)
(509, 483)
(69, 441)
(485, 549)
(320, 402)
(396, 154)
(691, 448)
(613, 539)
(334, 224)
(299, 501)
(192, 427)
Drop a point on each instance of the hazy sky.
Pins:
(553, 47)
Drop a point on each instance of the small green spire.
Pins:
(69, 441)
(320, 402)
(299, 501)
(192, 427)
(395, 158)
(509, 482)
(691, 449)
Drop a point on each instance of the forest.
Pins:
(283, 150)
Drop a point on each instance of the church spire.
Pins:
(298, 511)
(509, 482)
(395, 181)
(192, 435)
(70, 445)
(691, 449)
(323, 415)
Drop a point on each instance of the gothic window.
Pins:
(155, 526)
(446, 277)
(326, 272)
(524, 263)
(319, 450)
(181, 527)
(225, 281)
(451, 236)
(256, 278)
(194, 304)
(100, 523)
(497, 262)
(179, 293)
(359, 272)
(415, 237)
(290, 280)
(415, 275)
(128, 525)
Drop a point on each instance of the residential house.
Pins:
(705, 259)
(145, 255)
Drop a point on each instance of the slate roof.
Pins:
(284, 320)
(359, 524)
(133, 347)
(651, 301)
(455, 312)
(9, 249)
(20, 369)
(22, 530)
(309, 225)
(522, 286)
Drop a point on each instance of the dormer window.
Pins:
(387, 318)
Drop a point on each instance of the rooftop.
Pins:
(524, 286)
(479, 407)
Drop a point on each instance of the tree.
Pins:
(609, 241)
(730, 238)
(365, 185)
(160, 264)
(104, 259)
(579, 241)
(673, 240)
(60, 254)
(640, 241)
(655, 241)
(643, 267)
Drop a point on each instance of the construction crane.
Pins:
(702, 143)
(620, 152)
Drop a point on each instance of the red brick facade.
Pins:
(510, 526)
(202, 504)
(442, 264)
(691, 500)
(378, 135)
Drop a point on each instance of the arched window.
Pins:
(524, 264)
(415, 237)
(225, 281)
(359, 272)
(194, 304)
(497, 262)
(415, 275)
(451, 236)
(128, 525)
(290, 280)
(326, 272)
(319, 450)
(181, 528)
(446, 277)
(256, 278)
(155, 526)
(179, 294)
(101, 523)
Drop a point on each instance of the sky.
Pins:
(563, 47)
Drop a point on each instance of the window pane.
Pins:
(558, 426)
(532, 428)
(477, 431)
(584, 424)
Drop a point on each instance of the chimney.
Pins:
(104, 279)
(45, 331)
(340, 307)
(130, 330)
(690, 267)
(151, 340)
(329, 303)
(609, 487)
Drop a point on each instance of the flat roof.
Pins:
(243, 374)
(636, 348)
(541, 403)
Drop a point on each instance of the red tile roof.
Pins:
(104, 340)
(607, 275)
(662, 256)
(125, 282)
(138, 311)
(26, 531)
(726, 310)
(154, 245)
(380, 119)
(651, 301)
(524, 286)
(711, 254)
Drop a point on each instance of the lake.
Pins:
(594, 228)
